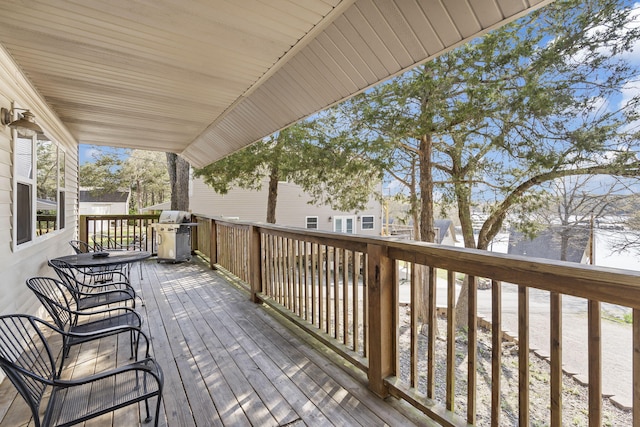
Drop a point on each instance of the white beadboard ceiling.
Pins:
(204, 78)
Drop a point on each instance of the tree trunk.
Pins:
(138, 196)
(178, 169)
(427, 231)
(464, 215)
(272, 198)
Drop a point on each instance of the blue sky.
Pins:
(87, 152)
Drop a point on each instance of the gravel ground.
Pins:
(574, 397)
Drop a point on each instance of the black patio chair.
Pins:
(81, 326)
(27, 360)
(99, 274)
(104, 242)
(81, 247)
(89, 294)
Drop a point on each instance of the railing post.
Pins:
(82, 229)
(213, 244)
(194, 235)
(382, 307)
(255, 263)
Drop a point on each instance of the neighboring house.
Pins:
(445, 232)
(444, 229)
(548, 244)
(292, 209)
(93, 202)
(98, 203)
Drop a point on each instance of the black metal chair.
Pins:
(100, 274)
(104, 242)
(90, 293)
(27, 360)
(81, 326)
(81, 247)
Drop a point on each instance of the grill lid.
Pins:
(174, 217)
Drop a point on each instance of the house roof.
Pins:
(206, 78)
(547, 244)
(89, 196)
(164, 206)
(444, 226)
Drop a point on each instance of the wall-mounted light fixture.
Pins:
(330, 219)
(26, 125)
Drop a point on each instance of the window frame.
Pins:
(343, 221)
(306, 222)
(372, 222)
(22, 204)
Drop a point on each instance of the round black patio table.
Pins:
(90, 259)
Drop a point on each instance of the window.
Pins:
(24, 189)
(344, 224)
(46, 187)
(367, 222)
(311, 222)
(23, 214)
(39, 187)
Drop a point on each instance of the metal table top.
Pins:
(113, 258)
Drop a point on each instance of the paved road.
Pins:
(616, 337)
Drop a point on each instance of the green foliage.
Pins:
(496, 118)
(142, 172)
(331, 174)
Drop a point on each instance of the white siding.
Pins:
(29, 259)
(291, 210)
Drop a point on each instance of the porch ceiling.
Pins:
(205, 78)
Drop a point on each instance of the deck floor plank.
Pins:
(225, 359)
(226, 362)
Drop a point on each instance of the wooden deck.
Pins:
(228, 362)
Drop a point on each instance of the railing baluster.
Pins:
(414, 327)
(433, 327)
(321, 278)
(595, 365)
(314, 268)
(345, 297)
(496, 351)
(303, 273)
(355, 261)
(336, 292)
(472, 346)
(327, 289)
(451, 339)
(636, 366)
(523, 356)
(556, 358)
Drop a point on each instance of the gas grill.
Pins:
(173, 231)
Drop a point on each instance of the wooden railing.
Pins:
(124, 230)
(345, 290)
(375, 302)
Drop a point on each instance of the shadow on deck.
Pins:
(229, 362)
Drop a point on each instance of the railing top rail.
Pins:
(612, 285)
(110, 216)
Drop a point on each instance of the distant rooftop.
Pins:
(97, 196)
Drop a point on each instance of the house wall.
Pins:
(96, 208)
(291, 209)
(29, 259)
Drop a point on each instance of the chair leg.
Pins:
(132, 346)
(146, 405)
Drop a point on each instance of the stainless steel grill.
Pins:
(173, 231)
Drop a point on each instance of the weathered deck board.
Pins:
(227, 362)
